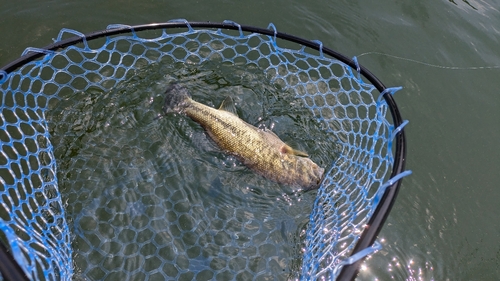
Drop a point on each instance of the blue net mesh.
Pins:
(63, 217)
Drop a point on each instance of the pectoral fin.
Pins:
(289, 150)
(273, 139)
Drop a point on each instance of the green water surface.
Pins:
(444, 225)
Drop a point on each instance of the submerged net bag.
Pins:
(80, 204)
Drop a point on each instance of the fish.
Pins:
(261, 150)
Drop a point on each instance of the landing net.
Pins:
(48, 243)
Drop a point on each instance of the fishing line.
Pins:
(430, 64)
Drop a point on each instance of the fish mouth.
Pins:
(319, 174)
(312, 176)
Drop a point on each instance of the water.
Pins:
(157, 185)
(444, 224)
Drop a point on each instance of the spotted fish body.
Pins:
(260, 150)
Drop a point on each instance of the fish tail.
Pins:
(176, 98)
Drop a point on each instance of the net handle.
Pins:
(383, 209)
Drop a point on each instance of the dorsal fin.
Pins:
(228, 105)
(268, 131)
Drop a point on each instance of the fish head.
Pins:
(310, 174)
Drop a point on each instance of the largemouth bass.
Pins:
(259, 149)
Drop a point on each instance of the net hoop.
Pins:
(376, 222)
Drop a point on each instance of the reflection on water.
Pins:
(403, 266)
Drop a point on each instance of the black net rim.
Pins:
(384, 207)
